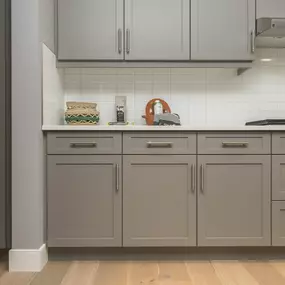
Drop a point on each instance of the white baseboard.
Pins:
(28, 260)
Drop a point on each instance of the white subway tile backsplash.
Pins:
(184, 78)
(223, 76)
(143, 78)
(72, 71)
(199, 96)
(265, 75)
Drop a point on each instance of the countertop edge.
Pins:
(47, 128)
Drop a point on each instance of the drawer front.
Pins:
(278, 223)
(278, 143)
(84, 143)
(234, 143)
(159, 143)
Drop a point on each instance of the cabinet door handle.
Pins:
(235, 144)
(83, 145)
(202, 178)
(252, 40)
(128, 41)
(282, 210)
(120, 46)
(193, 178)
(159, 144)
(117, 178)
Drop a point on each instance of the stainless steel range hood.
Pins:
(270, 32)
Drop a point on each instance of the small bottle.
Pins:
(158, 108)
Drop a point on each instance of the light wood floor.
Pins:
(151, 273)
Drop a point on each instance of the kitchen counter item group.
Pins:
(82, 113)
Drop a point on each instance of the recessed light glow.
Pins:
(266, 59)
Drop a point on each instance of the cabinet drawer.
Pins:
(278, 143)
(84, 143)
(159, 143)
(234, 143)
(278, 223)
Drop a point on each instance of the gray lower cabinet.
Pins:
(159, 200)
(84, 200)
(222, 29)
(234, 200)
(278, 223)
(278, 177)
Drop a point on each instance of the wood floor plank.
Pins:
(233, 273)
(173, 273)
(52, 274)
(3, 267)
(202, 273)
(111, 273)
(80, 273)
(279, 266)
(11, 278)
(264, 273)
(143, 273)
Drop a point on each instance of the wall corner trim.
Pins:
(28, 260)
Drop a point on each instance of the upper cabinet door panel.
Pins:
(221, 29)
(157, 29)
(90, 29)
(270, 8)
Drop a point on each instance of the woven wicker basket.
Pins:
(85, 115)
(81, 105)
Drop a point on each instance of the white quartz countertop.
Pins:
(160, 128)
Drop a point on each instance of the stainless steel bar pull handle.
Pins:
(128, 41)
(202, 178)
(235, 144)
(120, 41)
(193, 178)
(252, 35)
(159, 144)
(117, 178)
(83, 144)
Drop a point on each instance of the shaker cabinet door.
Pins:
(90, 29)
(159, 200)
(278, 177)
(222, 29)
(278, 223)
(157, 29)
(84, 201)
(234, 200)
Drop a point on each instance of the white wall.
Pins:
(53, 99)
(200, 96)
(27, 139)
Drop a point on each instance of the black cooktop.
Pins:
(266, 122)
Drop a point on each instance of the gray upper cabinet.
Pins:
(84, 201)
(90, 29)
(157, 29)
(222, 29)
(234, 200)
(159, 200)
(272, 8)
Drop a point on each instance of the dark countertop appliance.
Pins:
(266, 122)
